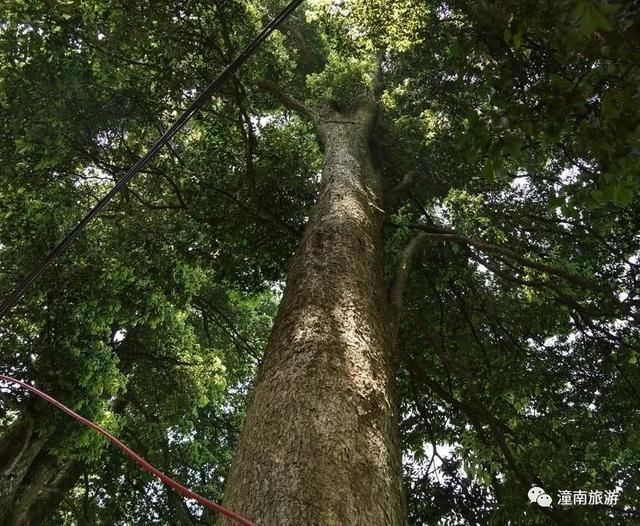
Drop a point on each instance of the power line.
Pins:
(198, 103)
(148, 467)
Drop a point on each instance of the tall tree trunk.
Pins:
(47, 484)
(13, 444)
(34, 479)
(20, 445)
(319, 445)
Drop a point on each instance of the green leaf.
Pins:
(593, 19)
(517, 39)
(622, 195)
(22, 146)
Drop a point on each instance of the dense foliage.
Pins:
(508, 136)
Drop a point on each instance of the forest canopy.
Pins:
(504, 137)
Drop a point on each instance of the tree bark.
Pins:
(13, 444)
(49, 481)
(319, 445)
(20, 445)
(34, 478)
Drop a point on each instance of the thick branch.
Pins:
(307, 56)
(399, 192)
(399, 284)
(15, 442)
(274, 89)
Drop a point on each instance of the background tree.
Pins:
(504, 142)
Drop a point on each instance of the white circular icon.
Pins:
(534, 493)
(544, 500)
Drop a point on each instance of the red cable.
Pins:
(183, 490)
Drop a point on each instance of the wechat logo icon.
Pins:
(537, 495)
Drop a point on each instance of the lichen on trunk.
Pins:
(319, 445)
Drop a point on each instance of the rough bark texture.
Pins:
(319, 445)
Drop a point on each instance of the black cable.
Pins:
(198, 103)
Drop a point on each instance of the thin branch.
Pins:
(209, 310)
(450, 235)
(251, 143)
(475, 412)
(124, 59)
(153, 206)
(256, 210)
